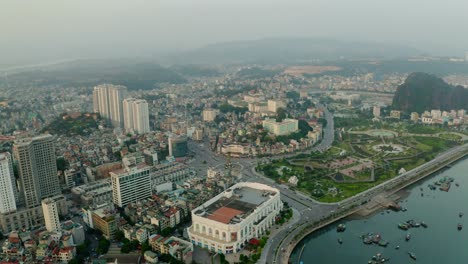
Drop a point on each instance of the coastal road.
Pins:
(305, 209)
(383, 189)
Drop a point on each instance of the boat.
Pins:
(445, 187)
(404, 209)
(432, 187)
(341, 228)
(423, 224)
(376, 239)
(408, 237)
(456, 184)
(459, 226)
(340, 241)
(412, 255)
(403, 226)
(397, 247)
(367, 241)
(411, 223)
(460, 214)
(383, 243)
(416, 224)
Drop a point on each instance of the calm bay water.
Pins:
(441, 242)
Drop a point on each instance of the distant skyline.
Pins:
(53, 30)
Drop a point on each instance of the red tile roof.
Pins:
(224, 214)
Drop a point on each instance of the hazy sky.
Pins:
(45, 30)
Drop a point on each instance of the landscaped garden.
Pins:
(355, 163)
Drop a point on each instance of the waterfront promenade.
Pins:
(353, 204)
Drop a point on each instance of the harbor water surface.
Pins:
(440, 242)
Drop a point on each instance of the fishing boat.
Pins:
(397, 247)
(367, 241)
(341, 228)
(457, 184)
(383, 243)
(459, 226)
(408, 237)
(460, 214)
(403, 226)
(412, 255)
(423, 224)
(445, 187)
(340, 241)
(376, 239)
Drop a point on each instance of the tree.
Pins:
(117, 155)
(62, 164)
(126, 248)
(293, 95)
(119, 235)
(166, 231)
(222, 259)
(280, 114)
(145, 247)
(103, 246)
(322, 121)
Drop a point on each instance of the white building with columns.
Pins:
(227, 222)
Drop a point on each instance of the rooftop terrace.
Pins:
(235, 204)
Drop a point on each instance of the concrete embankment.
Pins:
(387, 191)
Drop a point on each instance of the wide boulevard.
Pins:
(305, 209)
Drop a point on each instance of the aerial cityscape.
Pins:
(238, 144)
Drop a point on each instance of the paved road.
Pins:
(305, 209)
(366, 196)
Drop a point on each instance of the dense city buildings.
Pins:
(107, 99)
(136, 115)
(376, 111)
(37, 168)
(103, 218)
(51, 215)
(8, 191)
(285, 127)
(227, 222)
(274, 105)
(130, 184)
(209, 114)
(178, 146)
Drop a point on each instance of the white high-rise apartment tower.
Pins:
(141, 116)
(107, 100)
(8, 192)
(128, 113)
(51, 217)
(131, 184)
(136, 115)
(37, 168)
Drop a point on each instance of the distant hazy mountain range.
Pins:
(422, 91)
(290, 50)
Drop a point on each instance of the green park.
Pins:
(363, 155)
